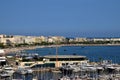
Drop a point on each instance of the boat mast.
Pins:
(57, 54)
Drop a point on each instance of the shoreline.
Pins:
(17, 49)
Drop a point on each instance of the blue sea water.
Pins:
(93, 53)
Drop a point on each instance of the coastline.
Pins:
(17, 49)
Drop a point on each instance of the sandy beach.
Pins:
(16, 49)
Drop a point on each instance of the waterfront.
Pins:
(93, 53)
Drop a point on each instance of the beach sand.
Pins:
(17, 49)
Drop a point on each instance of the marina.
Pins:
(32, 66)
(103, 71)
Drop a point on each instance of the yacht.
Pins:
(24, 71)
(65, 78)
(35, 78)
(21, 71)
(29, 71)
(88, 67)
(5, 74)
(8, 69)
(68, 69)
(76, 68)
(1, 69)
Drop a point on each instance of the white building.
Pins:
(30, 40)
(7, 41)
(56, 39)
(115, 39)
(80, 39)
(19, 39)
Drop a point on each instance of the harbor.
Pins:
(32, 66)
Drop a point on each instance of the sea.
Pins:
(93, 53)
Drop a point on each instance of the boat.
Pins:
(76, 77)
(1, 69)
(29, 71)
(75, 67)
(5, 74)
(66, 69)
(64, 78)
(35, 78)
(8, 69)
(21, 71)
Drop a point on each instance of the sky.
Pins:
(70, 18)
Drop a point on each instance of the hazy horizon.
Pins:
(79, 18)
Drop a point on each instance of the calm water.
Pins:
(93, 53)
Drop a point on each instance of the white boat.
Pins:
(76, 69)
(66, 69)
(1, 69)
(21, 71)
(5, 74)
(35, 78)
(76, 78)
(99, 68)
(65, 78)
(29, 71)
(24, 70)
(8, 69)
(88, 67)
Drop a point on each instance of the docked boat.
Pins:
(1, 69)
(99, 68)
(88, 67)
(76, 77)
(5, 74)
(65, 78)
(24, 71)
(8, 69)
(35, 78)
(29, 71)
(21, 71)
(68, 69)
(76, 68)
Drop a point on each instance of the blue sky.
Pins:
(83, 18)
